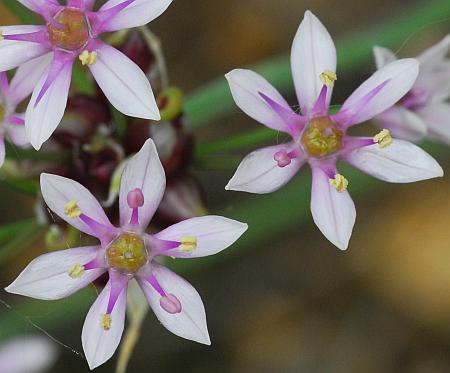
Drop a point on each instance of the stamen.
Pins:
(188, 243)
(340, 183)
(171, 304)
(282, 158)
(135, 198)
(76, 271)
(106, 321)
(328, 78)
(383, 139)
(71, 210)
(88, 58)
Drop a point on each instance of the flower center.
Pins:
(321, 137)
(127, 253)
(69, 30)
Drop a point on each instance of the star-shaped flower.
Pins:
(72, 32)
(319, 138)
(126, 253)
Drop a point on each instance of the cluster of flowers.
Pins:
(401, 103)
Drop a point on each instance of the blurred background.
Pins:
(293, 303)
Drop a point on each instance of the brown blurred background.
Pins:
(297, 304)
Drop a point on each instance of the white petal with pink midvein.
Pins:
(312, 53)
(383, 56)
(14, 53)
(27, 77)
(400, 76)
(400, 162)
(403, 123)
(99, 344)
(213, 234)
(42, 120)
(47, 276)
(437, 118)
(333, 212)
(143, 171)
(138, 13)
(245, 87)
(260, 173)
(57, 191)
(124, 84)
(190, 323)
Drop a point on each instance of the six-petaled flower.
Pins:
(321, 139)
(126, 253)
(72, 32)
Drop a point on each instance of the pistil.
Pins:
(69, 30)
(321, 137)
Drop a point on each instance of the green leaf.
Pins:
(11, 230)
(26, 186)
(26, 234)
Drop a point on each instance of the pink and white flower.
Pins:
(11, 95)
(126, 253)
(424, 112)
(319, 138)
(70, 32)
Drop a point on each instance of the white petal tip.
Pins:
(205, 340)
(9, 289)
(231, 186)
(342, 247)
(229, 75)
(156, 116)
(438, 172)
(36, 146)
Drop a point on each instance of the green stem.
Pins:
(236, 142)
(25, 235)
(22, 13)
(15, 152)
(11, 230)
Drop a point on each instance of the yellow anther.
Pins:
(328, 78)
(1, 36)
(340, 183)
(188, 243)
(72, 210)
(88, 58)
(106, 321)
(76, 271)
(384, 138)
